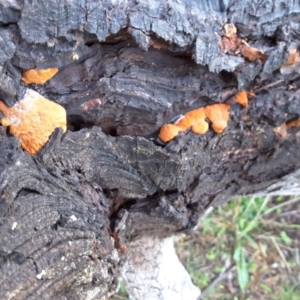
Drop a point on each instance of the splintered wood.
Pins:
(33, 119)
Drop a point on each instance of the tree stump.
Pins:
(126, 68)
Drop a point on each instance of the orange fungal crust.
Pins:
(293, 123)
(218, 111)
(200, 127)
(184, 123)
(33, 119)
(253, 54)
(190, 118)
(294, 57)
(242, 98)
(218, 114)
(219, 126)
(168, 132)
(38, 76)
(196, 114)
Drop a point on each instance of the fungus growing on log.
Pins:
(294, 123)
(281, 130)
(184, 123)
(200, 127)
(242, 98)
(33, 119)
(168, 132)
(38, 76)
(192, 118)
(196, 114)
(218, 114)
(253, 54)
(294, 57)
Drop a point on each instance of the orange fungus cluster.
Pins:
(217, 114)
(38, 76)
(242, 98)
(33, 119)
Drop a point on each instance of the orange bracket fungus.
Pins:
(191, 119)
(242, 98)
(168, 132)
(294, 123)
(218, 114)
(294, 57)
(38, 76)
(281, 130)
(200, 127)
(252, 54)
(184, 123)
(196, 114)
(33, 119)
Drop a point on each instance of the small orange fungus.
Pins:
(33, 119)
(294, 123)
(196, 114)
(219, 126)
(168, 132)
(38, 76)
(200, 127)
(184, 123)
(294, 57)
(281, 130)
(242, 98)
(218, 114)
(253, 54)
(190, 118)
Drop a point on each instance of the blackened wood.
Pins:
(125, 69)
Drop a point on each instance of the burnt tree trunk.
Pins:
(125, 69)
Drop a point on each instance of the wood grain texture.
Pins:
(125, 69)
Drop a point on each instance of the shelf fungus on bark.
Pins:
(195, 119)
(168, 132)
(282, 129)
(200, 127)
(38, 76)
(242, 98)
(184, 123)
(33, 119)
(218, 114)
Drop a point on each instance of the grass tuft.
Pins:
(246, 249)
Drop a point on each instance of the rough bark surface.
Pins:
(125, 69)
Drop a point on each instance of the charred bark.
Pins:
(125, 69)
